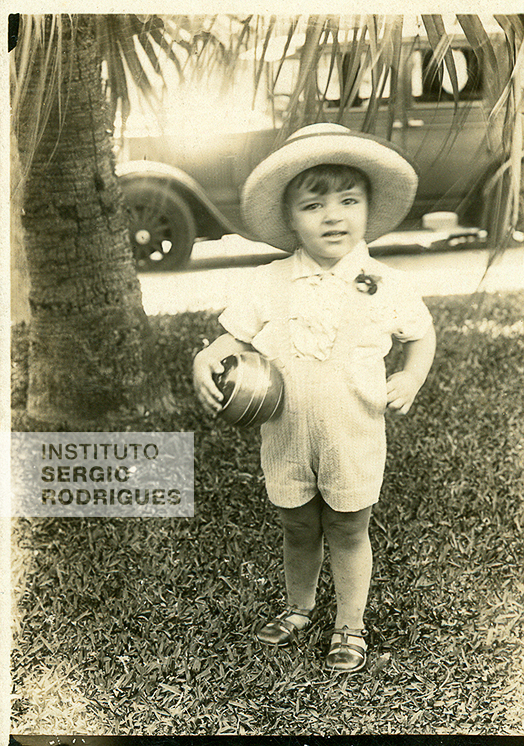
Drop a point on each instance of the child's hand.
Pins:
(205, 365)
(402, 388)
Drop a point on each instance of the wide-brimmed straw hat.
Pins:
(392, 178)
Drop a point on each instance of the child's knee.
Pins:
(346, 527)
(300, 528)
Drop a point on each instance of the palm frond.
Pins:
(383, 51)
(291, 31)
(166, 38)
(36, 73)
(441, 45)
(135, 65)
(127, 45)
(332, 30)
(144, 38)
(478, 39)
(513, 27)
(354, 68)
(395, 55)
(262, 59)
(307, 68)
(330, 27)
(504, 96)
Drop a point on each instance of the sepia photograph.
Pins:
(266, 375)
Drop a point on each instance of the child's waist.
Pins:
(321, 386)
(364, 358)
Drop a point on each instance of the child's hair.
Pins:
(328, 177)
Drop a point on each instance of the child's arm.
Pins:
(207, 362)
(402, 387)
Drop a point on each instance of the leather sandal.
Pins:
(345, 655)
(281, 630)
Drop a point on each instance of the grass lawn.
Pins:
(130, 626)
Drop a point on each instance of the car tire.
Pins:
(161, 225)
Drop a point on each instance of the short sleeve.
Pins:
(243, 316)
(412, 317)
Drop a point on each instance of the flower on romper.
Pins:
(367, 283)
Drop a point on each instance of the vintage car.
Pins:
(184, 183)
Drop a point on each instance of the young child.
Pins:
(326, 316)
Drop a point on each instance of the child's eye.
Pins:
(312, 206)
(349, 201)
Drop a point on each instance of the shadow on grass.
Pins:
(149, 623)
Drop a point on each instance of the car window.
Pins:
(365, 76)
(365, 88)
(327, 83)
(430, 82)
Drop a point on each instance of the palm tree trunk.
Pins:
(91, 348)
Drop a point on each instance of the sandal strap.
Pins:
(347, 632)
(282, 622)
(290, 610)
(344, 644)
(339, 647)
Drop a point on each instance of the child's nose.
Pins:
(332, 214)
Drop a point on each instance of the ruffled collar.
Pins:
(347, 268)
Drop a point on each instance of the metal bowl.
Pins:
(253, 389)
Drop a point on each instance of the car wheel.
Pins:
(162, 228)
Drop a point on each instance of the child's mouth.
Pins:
(333, 234)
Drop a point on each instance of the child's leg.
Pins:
(303, 551)
(351, 560)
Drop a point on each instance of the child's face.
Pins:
(329, 225)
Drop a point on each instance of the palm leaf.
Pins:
(126, 42)
(395, 45)
(513, 27)
(379, 71)
(165, 37)
(478, 39)
(35, 69)
(332, 29)
(308, 58)
(441, 45)
(261, 61)
(240, 40)
(319, 96)
(312, 109)
(117, 88)
(504, 96)
(292, 28)
(38, 58)
(143, 37)
(355, 70)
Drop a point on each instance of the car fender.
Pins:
(478, 200)
(208, 217)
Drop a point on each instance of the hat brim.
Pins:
(393, 183)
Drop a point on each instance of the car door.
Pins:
(451, 143)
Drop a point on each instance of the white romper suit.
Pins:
(329, 337)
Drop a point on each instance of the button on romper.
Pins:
(329, 337)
